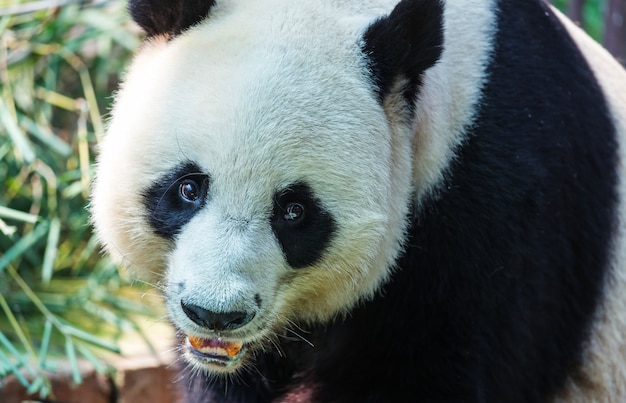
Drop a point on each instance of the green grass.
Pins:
(58, 296)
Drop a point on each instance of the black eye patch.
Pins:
(175, 198)
(301, 225)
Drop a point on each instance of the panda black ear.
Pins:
(168, 17)
(403, 45)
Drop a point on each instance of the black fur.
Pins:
(403, 45)
(505, 269)
(303, 240)
(167, 211)
(494, 296)
(169, 17)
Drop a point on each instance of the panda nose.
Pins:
(216, 321)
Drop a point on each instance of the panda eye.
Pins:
(293, 212)
(175, 198)
(189, 190)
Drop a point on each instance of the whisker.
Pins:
(299, 336)
(278, 350)
(294, 324)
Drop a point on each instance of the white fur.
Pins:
(263, 105)
(451, 90)
(604, 375)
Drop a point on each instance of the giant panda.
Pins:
(374, 200)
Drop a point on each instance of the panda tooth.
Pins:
(233, 348)
(215, 346)
(196, 342)
(213, 351)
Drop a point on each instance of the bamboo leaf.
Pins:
(46, 136)
(92, 359)
(16, 329)
(35, 385)
(52, 246)
(96, 341)
(17, 136)
(70, 352)
(57, 73)
(13, 368)
(23, 245)
(17, 215)
(45, 343)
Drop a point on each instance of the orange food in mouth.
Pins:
(215, 347)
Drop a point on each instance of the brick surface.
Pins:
(141, 375)
(95, 388)
(146, 381)
(138, 380)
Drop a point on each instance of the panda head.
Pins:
(258, 162)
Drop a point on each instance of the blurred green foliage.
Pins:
(58, 296)
(593, 19)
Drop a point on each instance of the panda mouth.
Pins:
(215, 351)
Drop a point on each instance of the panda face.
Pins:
(256, 171)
